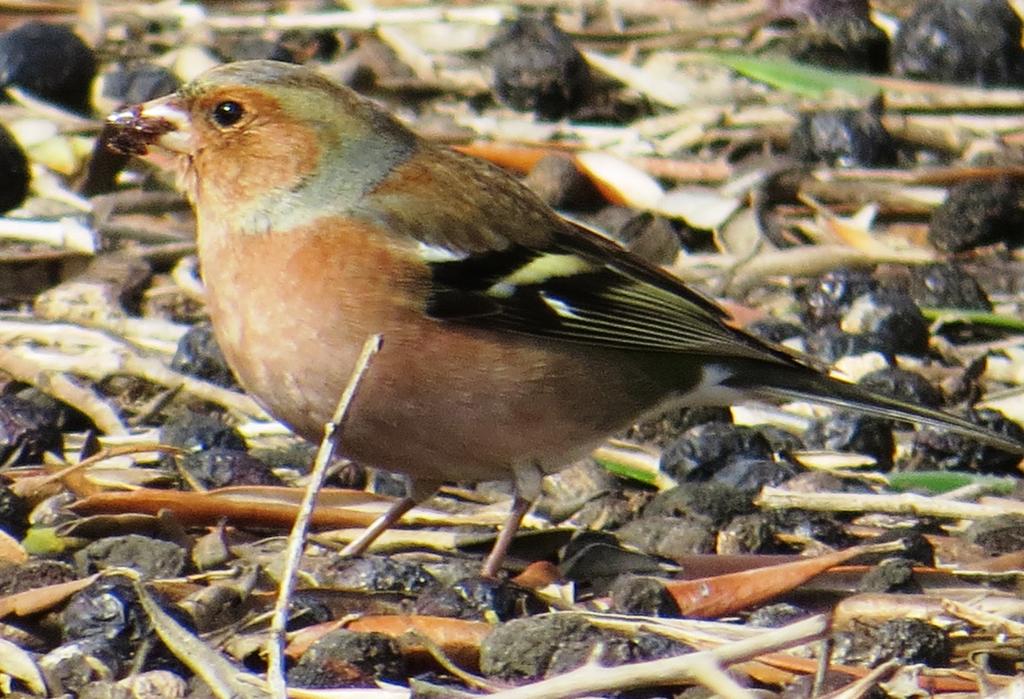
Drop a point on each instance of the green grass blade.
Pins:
(938, 482)
(992, 320)
(800, 78)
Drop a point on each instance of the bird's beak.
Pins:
(162, 122)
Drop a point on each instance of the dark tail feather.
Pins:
(794, 383)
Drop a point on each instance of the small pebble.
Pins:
(561, 185)
(651, 238)
(945, 450)
(75, 666)
(642, 595)
(960, 41)
(476, 598)
(837, 34)
(551, 645)
(826, 299)
(152, 558)
(107, 609)
(199, 355)
(378, 574)
(947, 286)
(852, 432)
(14, 172)
(701, 451)
(893, 575)
(890, 321)
(27, 431)
(911, 641)
(669, 537)
(748, 534)
(343, 658)
(537, 68)
(218, 468)
(905, 385)
(775, 331)
(772, 616)
(714, 501)
(387, 483)
(194, 431)
(754, 474)
(997, 535)
(50, 61)
(978, 213)
(831, 344)
(140, 685)
(14, 511)
(665, 429)
(812, 526)
(34, 573)
(843, 138)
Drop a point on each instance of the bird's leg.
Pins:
(527, 485)
(416, 492)
(378, 527)
(520, 506)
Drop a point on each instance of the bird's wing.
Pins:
(544, 276)
(584, 288)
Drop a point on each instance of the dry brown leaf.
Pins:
(725, 594)
(10, 550)
(41, 598)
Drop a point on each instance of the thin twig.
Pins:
(26, 486)
(360, 19)
(902, 504)
(101, 364)
(69, 233)
(59, 385)
(297, 537)
(860, 687)
(221, 675)
(446, 663)
(52, 112)
(51, 327)
(812, 260)
(666, 671)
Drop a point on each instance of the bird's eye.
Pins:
(227, 113)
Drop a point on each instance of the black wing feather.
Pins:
(616, 300)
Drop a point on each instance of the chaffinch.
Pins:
(514, 341)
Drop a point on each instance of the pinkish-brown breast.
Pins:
(441, 401)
